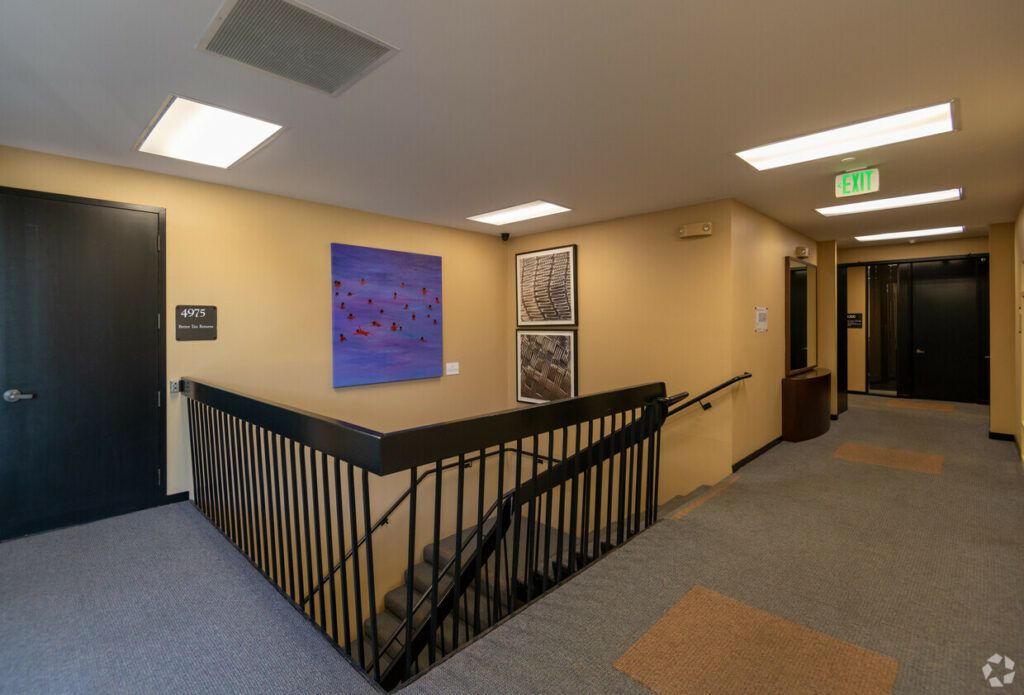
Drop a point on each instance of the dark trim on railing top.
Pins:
(391, 452)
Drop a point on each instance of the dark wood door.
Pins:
(81, 289)
(949, 344)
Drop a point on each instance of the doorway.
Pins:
(925, 328)
(82, 425)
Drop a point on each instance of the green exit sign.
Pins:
(856, 182)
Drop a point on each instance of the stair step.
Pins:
(680, 501)
(395, 602)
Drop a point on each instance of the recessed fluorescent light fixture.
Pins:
(919, 123)
(903, 201)
(518, 213)
(910, 235)
(204, 134)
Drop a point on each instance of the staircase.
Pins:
(477, 608)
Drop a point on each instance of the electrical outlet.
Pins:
(174, 386)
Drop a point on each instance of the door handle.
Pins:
(918, 351)
(14, 395)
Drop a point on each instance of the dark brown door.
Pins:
(82, 431)
(950, 329)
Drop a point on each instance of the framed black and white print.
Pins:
(546, 287)
(545, 366)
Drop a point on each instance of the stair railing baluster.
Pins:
(573, 504)
(516, 524)
(459, 497)
(547, 518)
(409, 583)
(356, 580)
(479, 542)
(370, 582)
(346, 630)
(329, 532)
(435, 561)
(315, 460)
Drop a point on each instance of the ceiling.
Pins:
(610, 108)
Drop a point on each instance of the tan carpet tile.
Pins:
(711, 644)
(920, 405)
(696, 503)
(891, 458)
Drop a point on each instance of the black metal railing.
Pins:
(507, 506)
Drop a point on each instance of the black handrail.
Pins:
(392, 452)
(672, 400)
(383, 519)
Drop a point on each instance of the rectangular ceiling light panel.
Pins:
(903, 201)
(911, 234)
(518, 213)
(204, 134)
(919, 123)
(295, 42)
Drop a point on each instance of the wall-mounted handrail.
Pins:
(392, 452)
(671, 400)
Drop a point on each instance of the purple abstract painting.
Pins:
(386, 314)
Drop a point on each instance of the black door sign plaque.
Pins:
(855, 320)
(195, 322)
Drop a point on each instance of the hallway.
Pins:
(920, 568)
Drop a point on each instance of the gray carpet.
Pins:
(926, 569)
(153, 602)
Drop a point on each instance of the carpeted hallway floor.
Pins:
(925, 569)
(921, 567)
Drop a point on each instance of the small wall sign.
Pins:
(760, 319)
(195, 322)
(855, 320)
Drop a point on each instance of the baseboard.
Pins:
(750, 457)
(175, 498)
(1001, 436)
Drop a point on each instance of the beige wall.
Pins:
(654, 307)
(760, 246)
(921, 249)
(828, 317)
(856, 338)
(266, 266)
(1002, 324)
(1018, 343)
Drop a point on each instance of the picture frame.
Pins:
(386, 316)
(546, 291)
(546, 365)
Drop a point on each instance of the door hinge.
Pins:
(159, 398)
(158, 243)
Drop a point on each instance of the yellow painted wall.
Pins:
(856, 338)
(654, 307)
(828, 317)
(760, 246)
(1018, 343)
(1002, 323)
(921, 249)
(265, 264)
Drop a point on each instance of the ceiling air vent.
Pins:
(294, 42)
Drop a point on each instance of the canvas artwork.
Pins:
(546, 365)
(386, 315)
(546, 287)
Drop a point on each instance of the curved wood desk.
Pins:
(806, 405)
